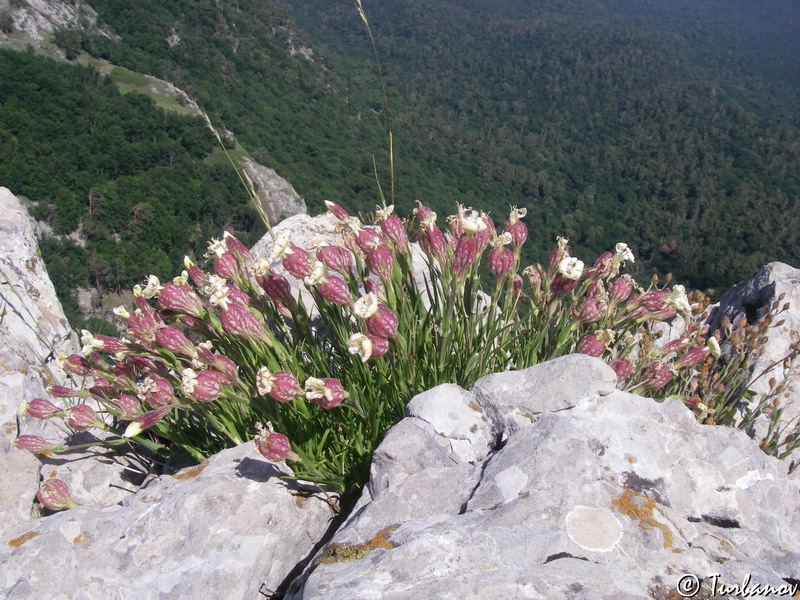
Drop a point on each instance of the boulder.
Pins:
(227, 528)
(590, 493)
(751, 300)
(278, 197)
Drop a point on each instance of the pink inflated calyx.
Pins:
(54, 495)
(181, 299)
(277, 287)
(44, 409)
(82, 417)
(658, 375)
(384, 322)
(334, 394)
(622, 367)
(335, 290)
(465, 253)
(591, 311)
(108, 344)
(146, 421)
(693, 357)
(654, 301)
(175, 341)
(127, 406)
(380, 345)
(367, 239)
(60, 391)
(273, 446)
(336, 259)
(157, 391)
(297, 262)
(78, 365)
(620, 289)
(285, 387)
(237, 320)
(433, 243)
(485, 236)
(208, 386)
(337, 211)
(380, 262)
(500, 261)
(518, 231)
(394, 232)
(591, 345)
(227, 267)
(236, 247)
(603, 266)
(37, 445)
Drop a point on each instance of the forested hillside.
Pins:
(136, 183)
(670, 125)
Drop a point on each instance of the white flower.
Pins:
(137, 290)
(145, 387)
(122, 312)
(623, 253)
(429, 221)
(385, 212)
(366, 306)
(562, 243)
(264, 381)
(188, 380)
(181, 279)
(188, 262)
(607, 336)
(360, 344)
(216, 247)
(260, 266)
(152, 288)
(61, 359)
(281, 246)
(516, 214)
(217, 290)
(501, 240)
(713, 346)
(89, 343)
(315, 388)
(678, 298)
(570, 267)
(473, 223)
(316, 276)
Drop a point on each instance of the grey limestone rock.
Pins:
(227, 528)
(606, 495)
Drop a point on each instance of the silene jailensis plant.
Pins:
(220, 356)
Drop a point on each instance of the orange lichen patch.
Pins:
(191, 472)
(52, 474)
(81, 539)
(336, 553)
(17, 542)
(631, 460)
(639, 507)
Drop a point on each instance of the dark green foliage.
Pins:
(129, 177)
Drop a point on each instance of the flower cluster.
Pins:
(209, 356)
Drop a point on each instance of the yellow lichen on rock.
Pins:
(639, 507)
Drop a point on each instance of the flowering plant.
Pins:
(216, 357)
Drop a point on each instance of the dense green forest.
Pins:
(672, 126)
(131, 178)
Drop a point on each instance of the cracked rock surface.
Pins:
(548, 483)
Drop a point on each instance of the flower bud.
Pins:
(484, 236)
(622, 367)
(654, 300)
(227, 267)
(500, 261)
(284, 387)
(620, 288)
(54, 495)
(277, 288)
(273, 446)
(591, 311)
(517, 229)
(658, 375)
(368, 239)
(692, 358)
(234, 294)
(175, 341)
(383, 322)
(337, 211)
(240, 321)
(380, 262)
(59, 391)
(591, 345)
(44, 409)
(433, 243)
(82, 417)
(145, 421)
(465, 253)
(77, 364)
(198, 277)
(181, 299)
(334, 290)
(422, 212)
(236, 247)
(297, 262)
(128, 406)
(337, 259)
(394, 232)
(603, 266)
(37, 445)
